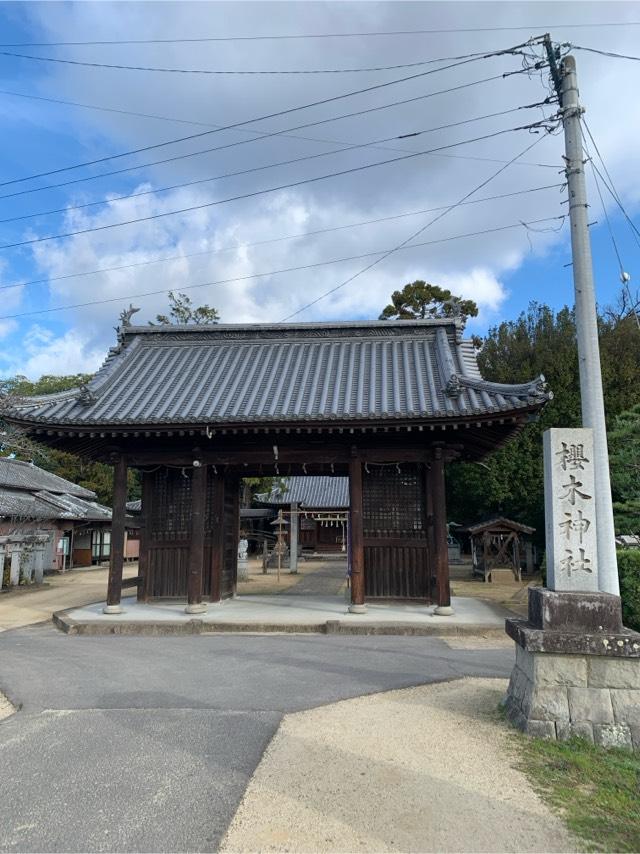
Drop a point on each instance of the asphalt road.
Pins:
(147, 744)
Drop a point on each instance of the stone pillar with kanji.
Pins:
(577, 670)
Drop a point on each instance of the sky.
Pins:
(505, 245)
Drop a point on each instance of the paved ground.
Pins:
(260, 613)
(148, 744)
(420, 769)
(26, 606)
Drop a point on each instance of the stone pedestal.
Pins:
(577, 670)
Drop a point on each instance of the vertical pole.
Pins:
(443, 593)
(294, 522)
(195, 605)
(431, 545)
(217, 536)
(587, 328)
(144, 585)
(280, 543)
(118, 512)
(357, 605)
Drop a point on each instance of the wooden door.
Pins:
(396, 557)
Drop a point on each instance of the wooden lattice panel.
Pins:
(170, 512)
(395, 532)
(394, 502)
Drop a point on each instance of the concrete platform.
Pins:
(283, 613)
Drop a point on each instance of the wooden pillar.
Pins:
(118, 513)
(217, 536)
(357, 537)
(195, 605)
(235, 488)
(441, 548)
(431, 546)
(145, 537)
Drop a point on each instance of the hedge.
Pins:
(629, 571)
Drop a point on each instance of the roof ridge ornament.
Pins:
(125, 321)
(86, 396)
(453, 387)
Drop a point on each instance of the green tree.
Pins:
(183, 312)
(420, 300)
(624, 458)
(540, 341)
(94, 476)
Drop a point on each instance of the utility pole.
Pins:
(565, 81)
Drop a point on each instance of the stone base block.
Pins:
(564, 611)
(558, 696)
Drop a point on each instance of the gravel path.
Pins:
(420, 769)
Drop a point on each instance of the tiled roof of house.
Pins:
(312, 492)
(16, 474)
(29, 492)
(285, 374)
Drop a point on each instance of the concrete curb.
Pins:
(67, 624)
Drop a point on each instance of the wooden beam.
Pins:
(217, 535)
(443, 593)
(196, 548)
(145, 532)
(118, 514)
(357, 536)
(431, 569)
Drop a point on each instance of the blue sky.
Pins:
(503, 270)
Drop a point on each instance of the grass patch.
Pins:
(596, 791)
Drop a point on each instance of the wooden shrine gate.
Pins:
(166, 534)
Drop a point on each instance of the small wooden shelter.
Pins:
(501, 544)
(196, 409)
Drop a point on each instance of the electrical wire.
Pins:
(265, 117)
(348, 147)
(255, 133)
(316, 264)
(609, 183)
(412, 236)
(293, 36)
(265, 135)
(624, 276)
(254, 193)
(609, 53)
(244, 72)
(273, 239)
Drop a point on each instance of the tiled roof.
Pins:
(15, 474)
(24, 505)
(312, 492)
(29, 492)
(286, 373)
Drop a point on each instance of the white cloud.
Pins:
(44, 352)
(473, 267)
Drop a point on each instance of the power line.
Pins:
(244, 72)
(624, 276)
(411, 237)
(266, 135)
(610, 185)
(284, 112)
(520, 224)
(602, 52)
(196, 181)
(273, 239)
(255, 133)
(254, 193)
(293, 36)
